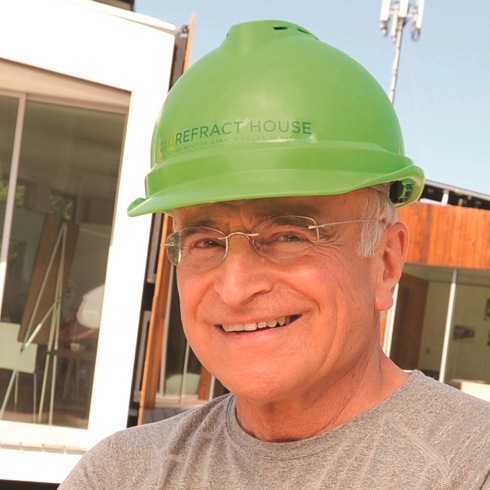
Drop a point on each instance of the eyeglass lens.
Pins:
(278, 239)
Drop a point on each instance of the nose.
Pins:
(243, 274)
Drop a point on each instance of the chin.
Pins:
(257, 388)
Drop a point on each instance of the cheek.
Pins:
(337, 272)
(348, 285)
(190, 288)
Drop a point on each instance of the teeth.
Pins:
(250, 327)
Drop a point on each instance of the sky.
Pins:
(443, 92)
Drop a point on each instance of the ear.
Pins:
(392, 256)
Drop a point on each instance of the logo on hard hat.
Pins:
(237, 131)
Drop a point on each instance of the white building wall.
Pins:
(120, 50)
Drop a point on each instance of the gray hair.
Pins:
(379, 207)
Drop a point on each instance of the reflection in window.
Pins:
(184, 382)
(420, 318)
(431, 309)
(62, 206)
(469, 349)
(20, 192)
(58, 250)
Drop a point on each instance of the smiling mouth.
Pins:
(252, 327)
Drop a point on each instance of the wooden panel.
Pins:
(418, 247)
(55, 250)
(483, 238)
(153, 355)
(204, 384)
(458, 250)
(450, 236)
(435, 249)
(479, 236)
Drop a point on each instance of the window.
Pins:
(441, 324)
(57, 244)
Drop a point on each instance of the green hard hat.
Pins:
(274, 112)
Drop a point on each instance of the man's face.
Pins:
(330, 296)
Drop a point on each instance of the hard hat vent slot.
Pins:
(285, 28)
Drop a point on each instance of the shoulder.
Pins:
(439, 400)
(448, 424)
(131, 456)
(174, 431)
(436, 407)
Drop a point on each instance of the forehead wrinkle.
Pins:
(253, 212)
(219, 215)
(194, 216)
(326, 208)
(222, 224)
(202, 222)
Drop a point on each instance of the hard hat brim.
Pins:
(293, 169)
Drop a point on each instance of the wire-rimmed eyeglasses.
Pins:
(278, 239)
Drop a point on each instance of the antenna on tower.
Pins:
(418, 15)
(397, 13)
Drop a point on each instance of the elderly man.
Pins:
(281, 161)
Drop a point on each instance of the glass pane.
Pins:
(176, 357)
(420, 318)
(184, 383)
(8, 116)
(59, 245)
(469, 346)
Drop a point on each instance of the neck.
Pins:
(315, 411)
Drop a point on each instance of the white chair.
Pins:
(12, 357)
(475, 388)
(173, 384)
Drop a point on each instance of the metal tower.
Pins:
(397, 13)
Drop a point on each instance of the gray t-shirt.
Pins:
(425, 436)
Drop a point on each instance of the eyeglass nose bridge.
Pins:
(249, 236)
